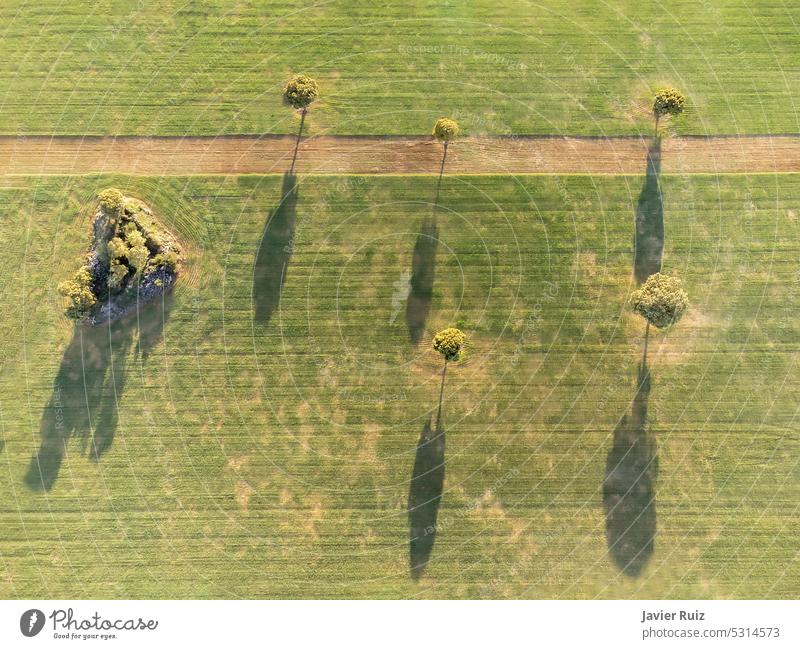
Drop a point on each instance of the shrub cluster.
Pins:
(661, 300)
(129, 250)
(79, 291)
(448, 342)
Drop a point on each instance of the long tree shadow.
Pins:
(84, 402)
(274, 252)
(629, 486)
(423, 270)
(648, 239)
(424, 496)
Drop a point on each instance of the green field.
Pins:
(262, 447)
(217, 66)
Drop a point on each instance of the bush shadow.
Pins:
(84, 402)
(274, 252)
(424, 497)
(148, 325)
(151, 321)
(629, 486)
(423, 269)
(648, 239)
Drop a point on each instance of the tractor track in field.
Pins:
(250, 154)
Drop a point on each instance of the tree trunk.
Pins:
(297, 142)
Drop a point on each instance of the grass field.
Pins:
(185, 67)
(259, 444)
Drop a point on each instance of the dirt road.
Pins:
(392, 155)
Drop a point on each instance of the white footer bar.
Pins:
(406, 624)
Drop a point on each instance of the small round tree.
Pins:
(661, 301)
(299, 92)
(445, 130)
(448, 342)
(667, 101)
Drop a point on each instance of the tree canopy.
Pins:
(300, 91)
(111, 200)
(668, 101)
(445, 129)
(661, 300)
(448, 342)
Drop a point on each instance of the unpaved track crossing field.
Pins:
(393, 155)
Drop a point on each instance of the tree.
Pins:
(117, 249)
(117, 272)
(299, 92)
(448, 342)
(661, 301)
(138, 256)
(445, 130)
(79, 292)
(667, 101)
(111, 201)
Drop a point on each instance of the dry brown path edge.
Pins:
(251, 154)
